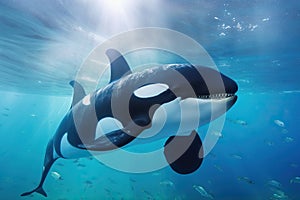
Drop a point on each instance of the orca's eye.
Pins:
(151, 90)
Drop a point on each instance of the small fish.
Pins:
(284, 131)
(217, 133)
(295, 180)
(80, 165)
(288, 139)
(236, 156)
(56, 176)
(90, 158)
(253, 27)
(238, 121)
(246, 179)
(276, 191)
(269, 143)
(280, 195)
(148, 193)
(60, 164)
(294, 165)
(119, 193)
(112, 181)
(88, 184)
(107, 190)
(155, 174)
(265, 19)
(212, 155)
(241, 122)
(202, 191)
(274, 183)
(279, 123)
(5, 114)
(167, 183)
(218, 168)
(132, 180)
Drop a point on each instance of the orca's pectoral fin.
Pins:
(48, 162)
(39, 189)
(184, 153)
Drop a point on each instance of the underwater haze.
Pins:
(256, 43)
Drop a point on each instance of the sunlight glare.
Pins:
(115, 5)
(116, 16)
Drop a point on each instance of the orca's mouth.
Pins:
(216, 96)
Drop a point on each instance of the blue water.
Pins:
(43, 44)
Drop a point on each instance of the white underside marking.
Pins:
(151, 90)
(180, 117)
(107, 125)
(69, 151)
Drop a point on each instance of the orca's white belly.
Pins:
(70, 152)
(178, 117)
(181, 117)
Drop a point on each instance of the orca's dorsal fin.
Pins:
(118, 65)
(78, 92)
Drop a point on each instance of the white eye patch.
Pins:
(86, 100)
(151, 90)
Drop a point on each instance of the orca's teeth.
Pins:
(215, 96)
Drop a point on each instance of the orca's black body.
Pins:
(133, 99)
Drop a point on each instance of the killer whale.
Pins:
(134, 101)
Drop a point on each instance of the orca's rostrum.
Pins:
(136, 102)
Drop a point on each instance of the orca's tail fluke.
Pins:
(48, 162)
(39, 189)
